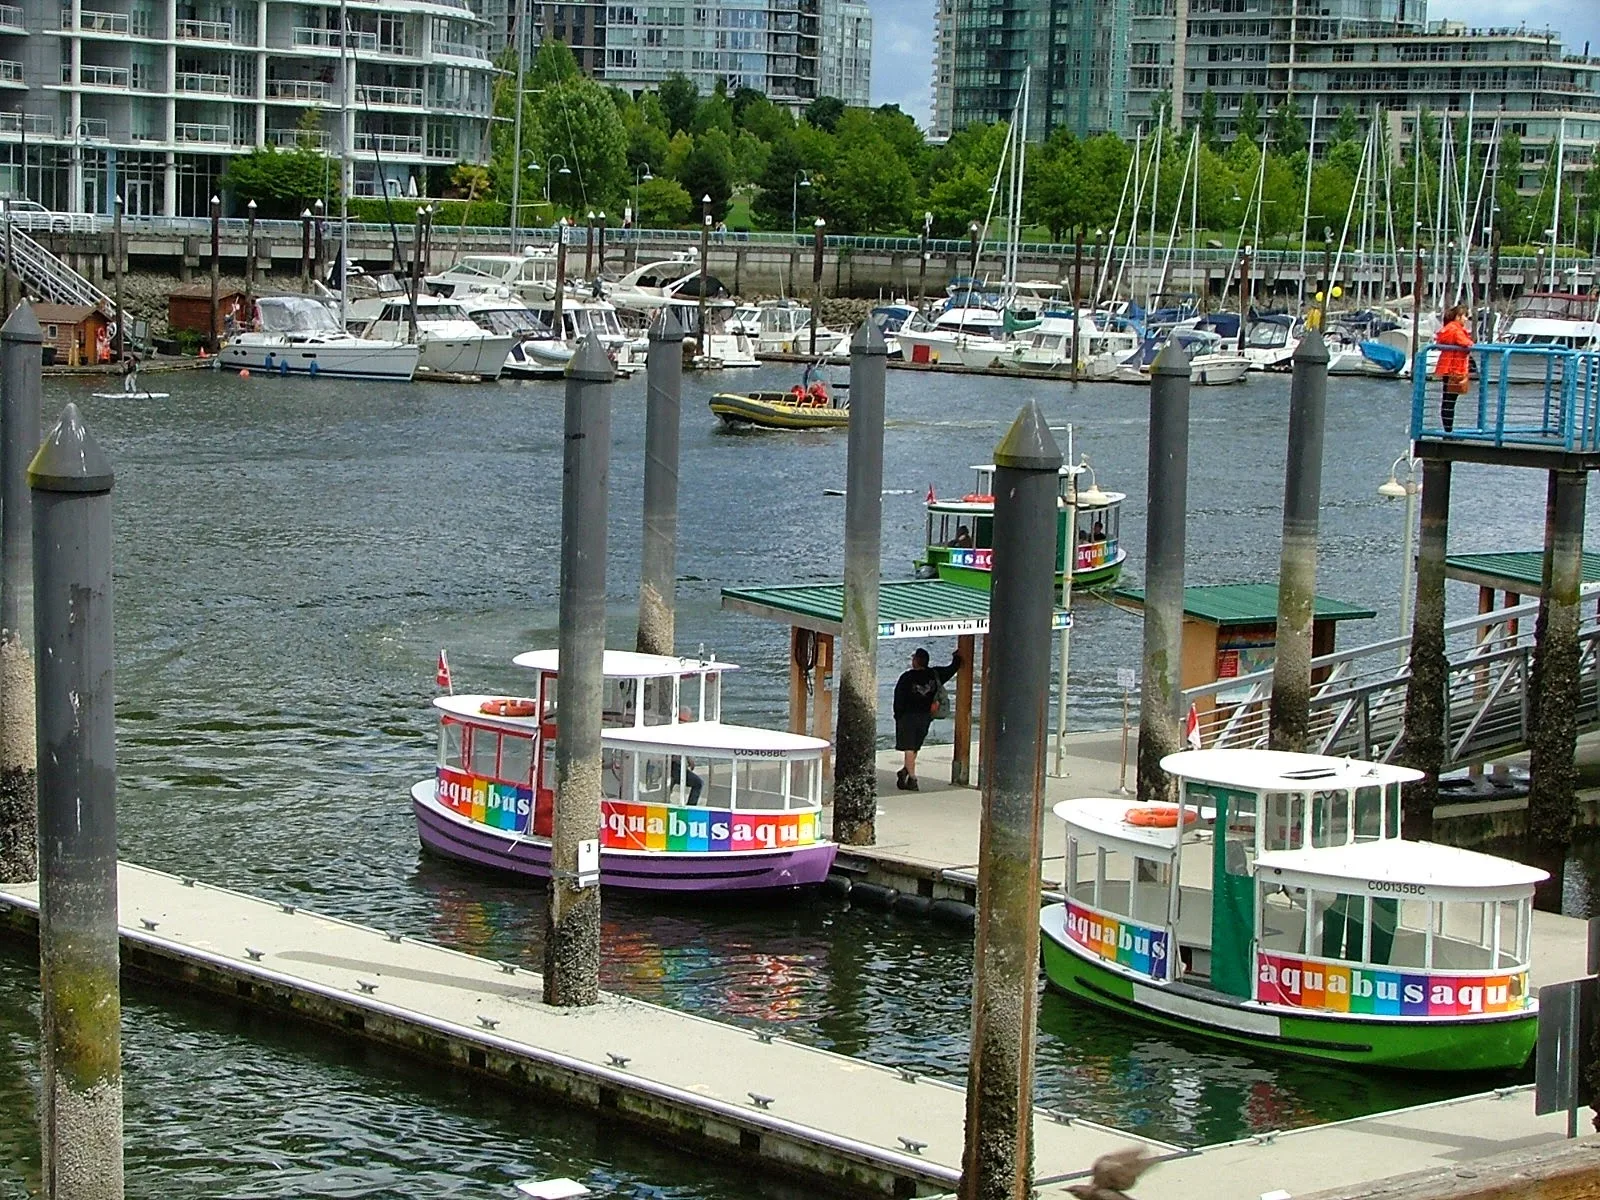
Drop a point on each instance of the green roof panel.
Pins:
(1518, 571)
(1248, 604)
(907, 608)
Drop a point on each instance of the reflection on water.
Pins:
(290, 558)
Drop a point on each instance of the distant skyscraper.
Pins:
(944, 67)
(845, 52)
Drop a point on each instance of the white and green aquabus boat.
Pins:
(1278, 906)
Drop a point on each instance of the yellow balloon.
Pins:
(1337, 292)
(1319, 295)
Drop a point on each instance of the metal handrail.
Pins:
(1545, 397)
(46, 275)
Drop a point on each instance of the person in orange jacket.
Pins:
(1454, 365)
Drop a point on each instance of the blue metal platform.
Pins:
(1540, 398)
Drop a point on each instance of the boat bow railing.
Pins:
(1358, 695)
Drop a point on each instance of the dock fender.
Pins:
(836, 884)
(873, 895)
(907, 905)
(955, 913)
(283, 366)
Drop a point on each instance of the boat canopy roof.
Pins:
(296, 314)
(1393, 868)
(628, 664)
(713, 737)
(1281, 771)
(1102, 821)
(470, 708)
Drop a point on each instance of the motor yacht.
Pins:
(451, 342)
(530, 276)
(298, 335)
(647, 289)
(536, 353)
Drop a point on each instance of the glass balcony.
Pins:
(394, 97)
(205, 84)
(12, 122)
(10, 71)
(11, 19)
(205, 31)
(389, 143)
(295, 139)
(299, 89)
(205, 135)
(98, 77)
(460, 50)
(92, 20)
(307, 37)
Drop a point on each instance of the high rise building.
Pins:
(944, 68)
(845, 52)
(147, 99)
(769, 45)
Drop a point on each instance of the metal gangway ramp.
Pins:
(1358, 696)
(45, 276)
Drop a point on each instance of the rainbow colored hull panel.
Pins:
(453, 836)
(1477, 1044)
(775, 410)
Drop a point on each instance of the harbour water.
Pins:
(290, 557)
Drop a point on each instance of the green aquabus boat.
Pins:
(1277, 906)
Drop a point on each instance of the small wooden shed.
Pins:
(79, 333)
(189, 308)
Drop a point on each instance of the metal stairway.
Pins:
(1358, 696)
(47, 277)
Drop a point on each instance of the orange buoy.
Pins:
(977, 498)
(244, 372)
(1158, 816)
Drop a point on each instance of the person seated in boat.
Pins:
(683, 769)
(1097, 532)
(963, 538)
(817, 393)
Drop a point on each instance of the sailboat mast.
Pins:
(346, 134)
(1555, 213)
(1155, 196)
(1305, 211)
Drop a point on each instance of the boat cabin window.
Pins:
(1118, 882)
(619, 707)
(701, 694)
(1096, 525)
(487, 753)
(660, 703)
(1391, 931)
(1334, 817)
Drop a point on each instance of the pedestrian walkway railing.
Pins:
(1358, 696)
(1541, 397)
(46, 276)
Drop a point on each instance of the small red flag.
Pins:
(441, 676)
(930, 494)
(1191, 728)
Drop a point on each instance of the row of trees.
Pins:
(589, 148)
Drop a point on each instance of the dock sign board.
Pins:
(1564, 1050)
(955, 627)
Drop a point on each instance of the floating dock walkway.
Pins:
(853, 1126)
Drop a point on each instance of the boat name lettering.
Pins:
(498, 805)
(1137, 947)
(625, 826)
(1404, 889)
(1368, 991)
(758, 753)
(979, 558)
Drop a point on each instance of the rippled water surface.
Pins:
(290, 557)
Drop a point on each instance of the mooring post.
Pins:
(1161, 693)
(81, 1006)
(658, 569)
(216, 273)
(855, 763)
(21, 354)
(588, 246)
(249, 265)
(702, 284)
(1423, 747)
(319, 248)
(305, 250)
(997, 1163)
(572, 929)
(817, 243)
(1552, 769)
(116, 268)
(414, 285)
(1297, 569)
(1077, 301)
(561, 279)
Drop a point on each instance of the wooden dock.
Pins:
(848, 1125)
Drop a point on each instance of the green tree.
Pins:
(678, 151)
(750, 155)
(778, 188)
(679, 100)
(647, 147)
(578, 121)
(759, 116)
(281, 182)
(1208, 118)
(1247, 124)
(824, 112)
(714, 112)
(708, 171)
(1348, 127)
(1161, 108)
(870, 188)
(553, 63)
(663, 204)
(1288, 131)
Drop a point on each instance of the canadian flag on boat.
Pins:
(1191, 728)
(441, 675)
(930, 494)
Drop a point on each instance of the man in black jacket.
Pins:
(914, 696)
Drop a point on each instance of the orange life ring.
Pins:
(1158, 816)
(504, 706)
(977, 498)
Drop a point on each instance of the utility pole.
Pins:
(80, 997)
(21, 345)
(1160, 694)
(1297, 571)
(572, 925)
(855, 762)
(997, 1162)
(658, 573)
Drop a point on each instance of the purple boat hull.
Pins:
(447, 835)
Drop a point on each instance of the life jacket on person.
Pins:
(1453, 363)
(797, 395)
(818, 393)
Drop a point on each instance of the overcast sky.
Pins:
(902, 38)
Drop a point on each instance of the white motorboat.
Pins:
(1047, 347)
(941, 341)
(536, 353)
(1543, 319)
(1210, 365)
(580, 316)
(720, 346)
(530, 276)
(451, 342)
(300, 336)
(1270, 343)
(647, 289)
(784, 327)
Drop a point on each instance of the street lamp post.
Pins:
(1409, 489)
(550, 174)
(802, 178)
(637, 179)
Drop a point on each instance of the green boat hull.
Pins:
(973, 577)
(1485, 1044)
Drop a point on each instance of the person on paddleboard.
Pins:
(130, 373)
